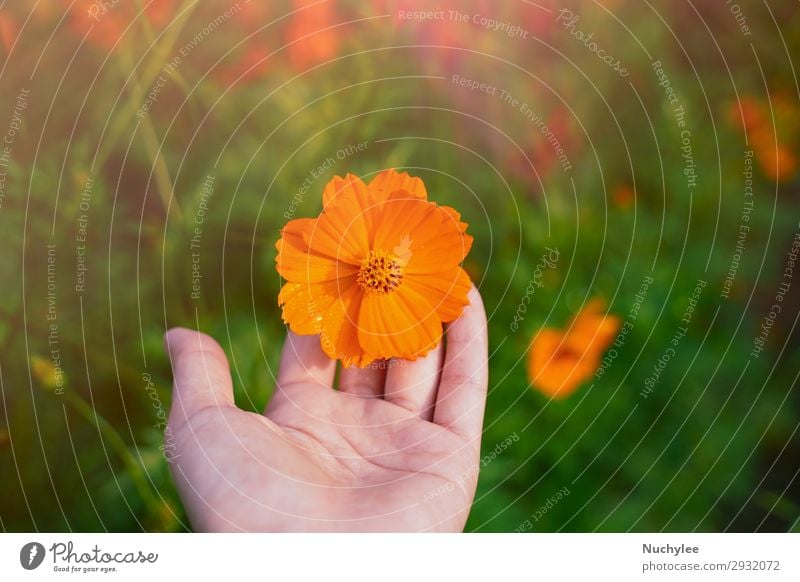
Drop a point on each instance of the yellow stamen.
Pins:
(380, 272)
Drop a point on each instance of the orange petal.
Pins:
(427, 234)
(348, 187)
(339, 336)
(403, 217)
(455, 216)
(605, 331)
(304, 305)
(311, 35)
(367, 199)
(8, 31)
(451, 224)
(446, 291)
(398, 324)
(555, 369)
(390, 181)
(591, 330)
(297, 263)
(340, 232)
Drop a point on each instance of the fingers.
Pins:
(303, 361)
(202, 378)
(465, 377)
(367, 381)
(412, 385)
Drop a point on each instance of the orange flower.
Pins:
(249, 66)
(377, 273)
(777, 160)
(623, 196)
(103, 26)
(747, 114)
(8, 31)
(560, 361)
(308, 41)
(161, 12)
(540, 150)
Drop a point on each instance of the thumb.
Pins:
(202, 378)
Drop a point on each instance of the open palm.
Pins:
(396, 448)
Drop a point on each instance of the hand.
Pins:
(394, 449)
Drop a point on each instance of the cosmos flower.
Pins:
(311, 36)
(623, 196)
(561, 360)
(778, 162)
(770, 143)
(377, 273)
(552, 147)
(746, 113)
(8, 31)
(250, 66)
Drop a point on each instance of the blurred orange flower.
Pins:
(777, 161)
(539, 17)
(377, 273)
(753, 116)
(8, 30)
(746, 114)
(308, 43)
(623, 196)
(160, 12)
(250, 66)
(552, 145)
(561, 360)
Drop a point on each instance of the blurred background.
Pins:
(642, 156)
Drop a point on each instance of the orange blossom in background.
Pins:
(561, 360)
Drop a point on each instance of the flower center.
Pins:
(380, 272)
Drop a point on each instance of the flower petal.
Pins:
(446, 291)
(297, 263)
(390, 181)
(339, 334)
(366, 198)
(403, 217)
(399, 324)
(348, 187)
(340, 232)
(304, 305)
(554, 369)
(425, 233)
(455, 216)
(591, 330)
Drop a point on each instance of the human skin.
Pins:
(395, 448)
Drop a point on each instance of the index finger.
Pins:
(465, 373)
